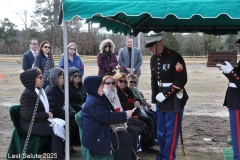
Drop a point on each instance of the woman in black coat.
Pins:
(55, 94)
(77, 92)
(32, 80)
(128, 101)
(44, 52)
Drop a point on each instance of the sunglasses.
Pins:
(108, 83)
(107, 46)
(133, 82)
(40, 77)
(72, 49)
(47, 47)
(75, 76)
(34, 43)
(122, 81)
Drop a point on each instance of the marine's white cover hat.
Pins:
(152, 39)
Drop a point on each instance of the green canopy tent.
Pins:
(208, 16)
(133, 16)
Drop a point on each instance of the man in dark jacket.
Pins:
(168, 78)
(29, 56)
(232, 101)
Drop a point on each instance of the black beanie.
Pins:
(72, 70)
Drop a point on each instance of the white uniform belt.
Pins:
(164, 84)
(233, 85)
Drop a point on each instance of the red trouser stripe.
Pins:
(238, 130)
(174, 137)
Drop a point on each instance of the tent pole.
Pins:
(132, 57)
(66, 90)
(139, 40)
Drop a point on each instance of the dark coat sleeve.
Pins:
(56, 102)
(25, 63)
(124, 100)
(28, 101)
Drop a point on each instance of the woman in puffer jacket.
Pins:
(77, 92)
(55, 94)
(107, 59)
(44, 121)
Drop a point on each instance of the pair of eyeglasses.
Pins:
(133, 82)
(107, 46)
(72, 49)
(40, 77)
(47, 47)
(122, 81)
(108, 83)
(34, 43)
(75, 76)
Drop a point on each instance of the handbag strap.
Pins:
(117, 142)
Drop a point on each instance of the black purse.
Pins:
(139, 126)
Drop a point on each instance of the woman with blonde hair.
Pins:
(74, 59)
(106, 58)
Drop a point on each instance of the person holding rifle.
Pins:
(168, 78)
(232, 101)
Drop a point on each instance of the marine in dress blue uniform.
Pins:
(232, 102)
(168, 78)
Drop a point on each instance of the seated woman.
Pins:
(55, 94)
(97, 116)
(77, 92)
(111, 93)
(32, 80)
(132, 80)
(128, 101)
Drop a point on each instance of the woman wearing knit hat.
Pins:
(106, 59)
(97, 116)
(77, 92)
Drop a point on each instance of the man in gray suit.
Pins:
(29, 56)
(124, 59)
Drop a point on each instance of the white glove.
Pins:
(160, 97)
(225, 68)
(154, 107)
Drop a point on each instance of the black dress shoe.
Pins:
(150, 150)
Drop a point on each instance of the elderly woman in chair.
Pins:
(97, 116)
(44, 123)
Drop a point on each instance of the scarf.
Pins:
(56, 123)
(113, 98)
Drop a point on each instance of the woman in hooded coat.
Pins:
(97, 116)
(107, 59)
(55, 94)
(32, 80)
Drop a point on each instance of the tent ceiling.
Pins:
(208, 16)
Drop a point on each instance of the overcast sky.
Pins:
(9, 8)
